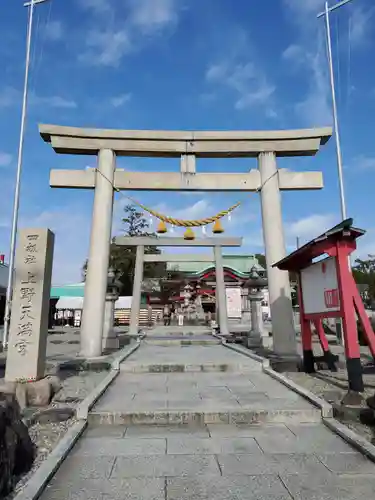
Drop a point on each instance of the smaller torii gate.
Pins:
(145, 241)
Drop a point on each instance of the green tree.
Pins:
(364, 274)
(261, 259)
(122, 258)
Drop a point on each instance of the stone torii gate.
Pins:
(141, 242)
(266, 146)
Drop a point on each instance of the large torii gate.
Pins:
(141, 242)
(266, 146)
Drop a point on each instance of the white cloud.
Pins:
(98, 6)
(199, 209)
(54, 30)
(107, 47)
(10, 96)
(5, 159)
(138, 22)
(151, 15)
(294, 53)
(305, 8)
(120, 100)
(363, 163)
(315, 109)
(360, 24)
(310, 226)
(308, 57)
(249, 84)
(55, 101)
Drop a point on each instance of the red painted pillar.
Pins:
(306, 334)
(352, 352)
(329, 358)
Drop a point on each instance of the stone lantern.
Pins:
(255, 284)
(109, 339)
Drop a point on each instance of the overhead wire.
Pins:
(338, 59)
(42, 45)
(349, 76)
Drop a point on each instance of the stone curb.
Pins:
(355, 440)
(36, 484)
(326, 408)
(246, 352)
(83, 409)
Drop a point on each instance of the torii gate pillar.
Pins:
(97, 264)
(283, 333)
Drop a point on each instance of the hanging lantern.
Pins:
(162, 228)
(218, 228)
(189, 234)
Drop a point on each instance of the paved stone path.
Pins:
(289, 455)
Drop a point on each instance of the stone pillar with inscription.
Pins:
(30, 306)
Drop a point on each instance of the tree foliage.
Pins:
(122, 258)
(364, 274)
(261, 260)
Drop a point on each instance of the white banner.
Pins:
(320, 288)
(234, 307)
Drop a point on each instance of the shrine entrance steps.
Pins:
(181, 336)
(205, 423)
(196, 385)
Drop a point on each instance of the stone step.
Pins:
(182, 342)
(170, 367)
(201, 418)
(178, 332)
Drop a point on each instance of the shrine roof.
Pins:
(239, 264)
(304, 255)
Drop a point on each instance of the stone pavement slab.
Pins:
(227, 488)
(111, 489)
(308, 487)
(217, 462)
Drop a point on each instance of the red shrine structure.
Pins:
(326, 289)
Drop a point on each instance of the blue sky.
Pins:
(186, 64)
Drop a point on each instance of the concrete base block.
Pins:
(285, 363)
(254, 341)
(351, 407)
(110, 343)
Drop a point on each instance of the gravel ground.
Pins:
(332, 387)
(75, 387)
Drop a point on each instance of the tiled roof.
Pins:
(240, 264)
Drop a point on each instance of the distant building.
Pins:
(236, 272)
